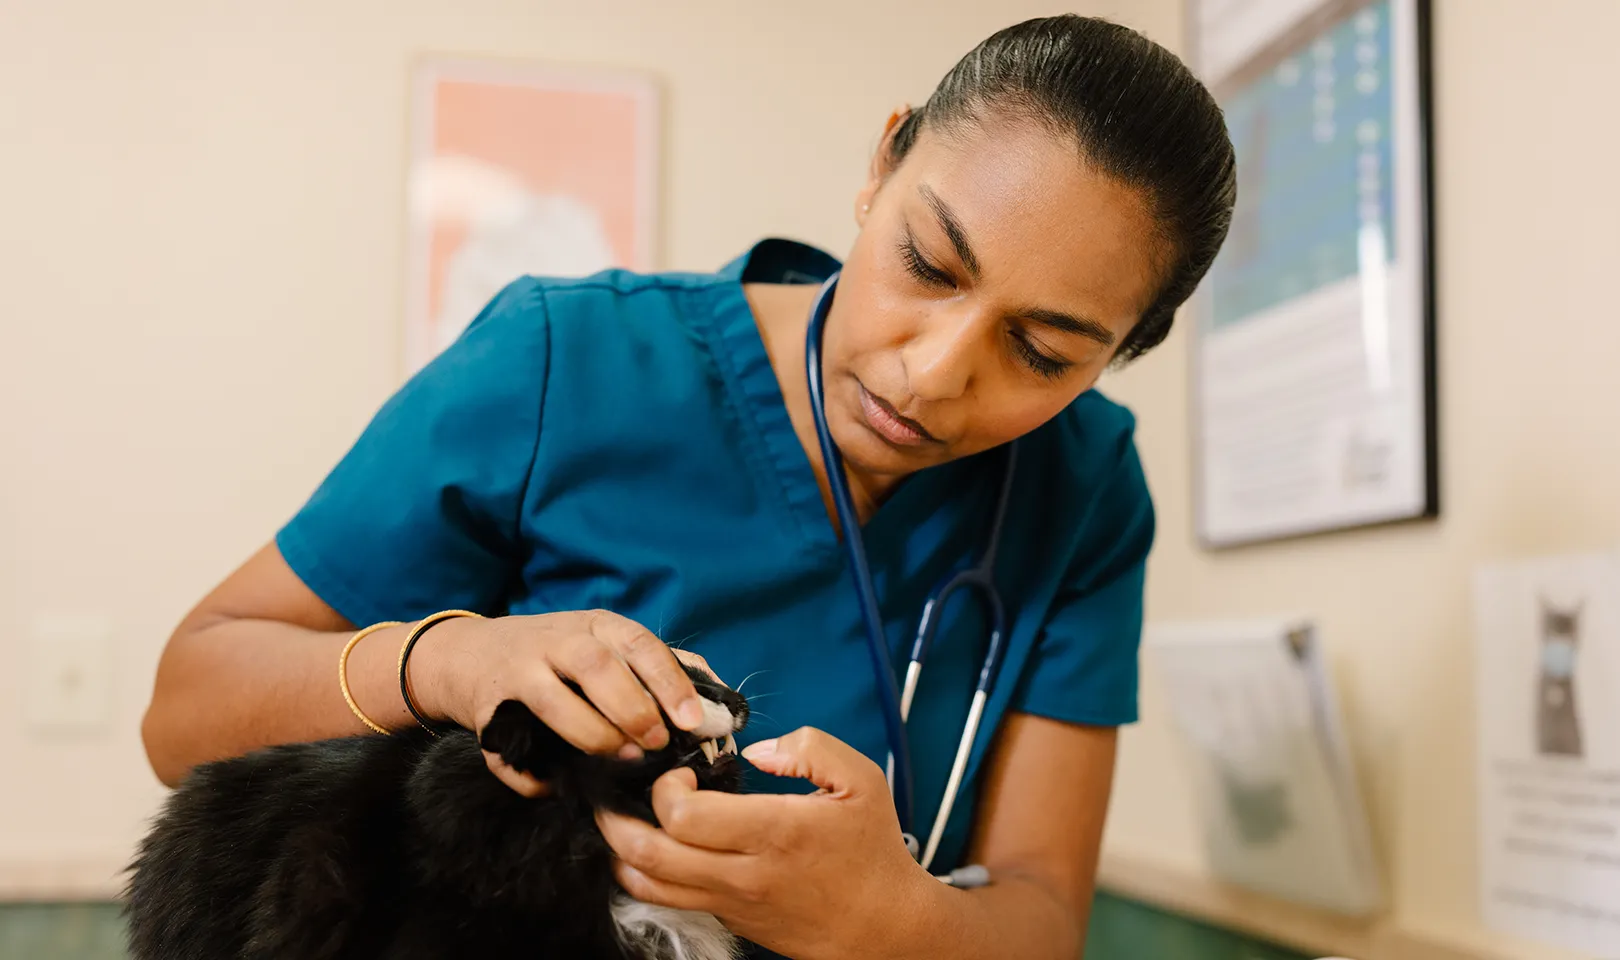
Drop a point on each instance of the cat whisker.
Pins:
(751, 676)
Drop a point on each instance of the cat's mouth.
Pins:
(716, 748)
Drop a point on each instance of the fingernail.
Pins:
(689, 714)
(630, 752)
(756, 751)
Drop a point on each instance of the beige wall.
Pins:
(200, 292)
(1528, 240)
(200, 276)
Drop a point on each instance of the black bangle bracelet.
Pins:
(405, 657)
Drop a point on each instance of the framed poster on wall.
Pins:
(516, 169)
(1312, 360)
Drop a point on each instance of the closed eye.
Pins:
(1038, 360)
(919, 266)
(1024, 347)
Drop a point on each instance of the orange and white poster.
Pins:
(518, 169)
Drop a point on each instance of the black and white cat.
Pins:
(406, 847)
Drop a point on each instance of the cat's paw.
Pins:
(522, 741)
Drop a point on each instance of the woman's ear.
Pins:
(863, 201)
(881, 166)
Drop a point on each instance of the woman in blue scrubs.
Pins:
(601, 465)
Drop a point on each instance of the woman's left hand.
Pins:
(804, 875)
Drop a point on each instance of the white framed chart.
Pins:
(1313, 361)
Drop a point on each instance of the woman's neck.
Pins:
(782, 313)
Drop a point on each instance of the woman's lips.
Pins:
(890, 425)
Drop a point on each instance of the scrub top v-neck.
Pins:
(620, 442)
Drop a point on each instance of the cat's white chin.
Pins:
(653, 932)
(718, 720)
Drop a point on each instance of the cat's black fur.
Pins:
(402, 847)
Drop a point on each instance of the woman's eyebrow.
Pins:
(949, 223)
(1056, 319)
(1069, 323)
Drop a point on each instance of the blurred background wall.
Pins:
(1529, 334)
(200, 293)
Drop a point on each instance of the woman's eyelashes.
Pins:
(1036, 359)
(925, 272)
(920, 267)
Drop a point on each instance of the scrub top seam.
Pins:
(639, 283)
(747, 388)
(539, 419)
(1110, 568)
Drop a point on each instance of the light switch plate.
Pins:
(68, 686)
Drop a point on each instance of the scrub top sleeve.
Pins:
(1084, 666)
(422, 512)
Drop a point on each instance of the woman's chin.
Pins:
(867, 452)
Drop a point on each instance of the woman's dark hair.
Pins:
(1136, 111)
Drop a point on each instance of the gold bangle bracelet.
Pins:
(405, 654)
(343, 672)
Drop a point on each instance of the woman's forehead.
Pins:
(1036, 213)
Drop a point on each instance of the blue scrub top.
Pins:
(620, 442)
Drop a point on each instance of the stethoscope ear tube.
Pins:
(963, 748)
(980, 577)
(850, 527)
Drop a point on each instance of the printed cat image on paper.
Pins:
(1258, 810)
(1558, 725)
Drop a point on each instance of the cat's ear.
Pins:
(518, 737)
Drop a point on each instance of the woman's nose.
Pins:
(939, 360)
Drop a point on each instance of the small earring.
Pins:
(866, 208)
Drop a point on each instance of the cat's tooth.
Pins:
(731, 743)
(707, 747)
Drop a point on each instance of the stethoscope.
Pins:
(896, 703)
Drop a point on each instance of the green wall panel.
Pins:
(1120, 930)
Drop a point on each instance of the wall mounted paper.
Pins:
(1548, 663)
(1274, 785)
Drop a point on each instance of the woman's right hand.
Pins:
(463, 668)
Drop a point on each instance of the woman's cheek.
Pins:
(996, 424)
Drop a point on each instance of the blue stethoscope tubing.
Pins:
(894, 700)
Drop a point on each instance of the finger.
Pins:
(823, 759)
(697, 660)
(567, 714)
(723, 822)
(717, 719)
(654, 662)
(519, 781)
(661, 892)
(612, 689)
(661, 857)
